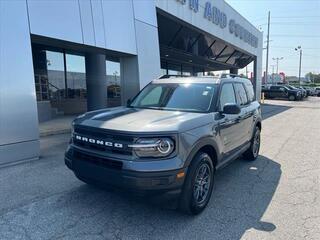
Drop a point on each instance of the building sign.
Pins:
(215, 15)
(219, 18)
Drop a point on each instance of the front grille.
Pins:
(107, 163)
(105, 136)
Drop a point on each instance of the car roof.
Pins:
(204, 80)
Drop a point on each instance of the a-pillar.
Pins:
(96, 81)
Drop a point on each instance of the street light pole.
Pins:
(300, 51)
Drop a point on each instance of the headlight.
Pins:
(153, 147)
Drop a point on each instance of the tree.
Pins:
(314, 78)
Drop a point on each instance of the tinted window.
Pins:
(250, 92)
(173, 96)
(241, 94)
(227, 95)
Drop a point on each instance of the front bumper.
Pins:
(112, 173)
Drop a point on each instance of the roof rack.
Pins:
(171, 75)
(231, 75)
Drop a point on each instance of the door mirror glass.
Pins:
(231, 108)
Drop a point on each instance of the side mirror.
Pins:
(129, 101)
(231, 108)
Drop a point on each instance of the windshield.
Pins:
(194, 97)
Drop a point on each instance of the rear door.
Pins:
(246, 116)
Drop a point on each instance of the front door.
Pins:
(228, 123)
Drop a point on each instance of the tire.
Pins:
(292, 98)
(197, 189)
(253, 151)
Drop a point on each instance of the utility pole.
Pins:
(300, 51)
(267, 57)
(277, 59)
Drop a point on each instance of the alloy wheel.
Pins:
(202, 184)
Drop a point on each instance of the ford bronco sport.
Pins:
(172, 137)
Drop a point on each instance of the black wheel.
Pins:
(292, 98)
(253, 151)
(198, 185)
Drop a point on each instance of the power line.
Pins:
(290, 23)
(300, 17)
(293, 47)
(295, 35)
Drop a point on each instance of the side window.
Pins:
(226, 95)
(153, 98)
(250, 92)
(241, 94)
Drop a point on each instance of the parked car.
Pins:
(170, 138)
(317, 91)
(310, 90)
(282, 91)
(304, 92)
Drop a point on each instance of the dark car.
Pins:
(282, 91)
(171, 138)
(301, 89)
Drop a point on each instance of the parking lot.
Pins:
(275, 197)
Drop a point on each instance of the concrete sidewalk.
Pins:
(59, 125)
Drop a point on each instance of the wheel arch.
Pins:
(208, 146)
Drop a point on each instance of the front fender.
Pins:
(202, 142)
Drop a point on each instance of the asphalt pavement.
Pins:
(275, 197)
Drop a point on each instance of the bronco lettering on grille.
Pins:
(98, 142)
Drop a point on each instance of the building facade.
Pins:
(68, 57)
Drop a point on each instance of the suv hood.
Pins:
(143, 120)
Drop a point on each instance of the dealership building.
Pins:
(66, 57)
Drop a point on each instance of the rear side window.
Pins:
(241, 94)
(226, 95)
(250, 92)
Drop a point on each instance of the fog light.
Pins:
(180, 175)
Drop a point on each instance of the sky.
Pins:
(293, 23)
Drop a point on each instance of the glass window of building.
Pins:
(55, 77)
(113, 83)
(76, 76)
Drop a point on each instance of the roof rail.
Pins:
(231, 75)
(171, 75)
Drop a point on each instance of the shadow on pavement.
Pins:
(242, 193)
(269, 110)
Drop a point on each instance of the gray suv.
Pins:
(171, 138)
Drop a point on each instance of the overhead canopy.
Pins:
(183, 44)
